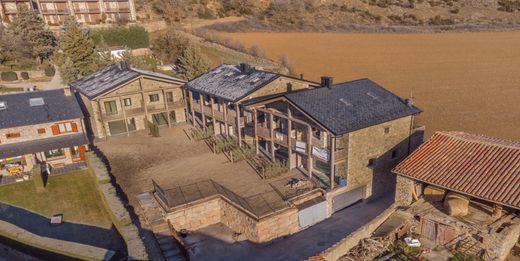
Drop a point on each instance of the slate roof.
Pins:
(229, 83)
(480, 166)
(41, 145)
(57, 107)
(351, 106)
(112, 77)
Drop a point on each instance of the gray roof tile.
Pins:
(112, 77)
(351, 105)
(57, 107)
(229, 83)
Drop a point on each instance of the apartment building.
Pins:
(40, 127)
(119, 100)
(54, 12)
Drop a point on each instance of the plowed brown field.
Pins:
(462, 81)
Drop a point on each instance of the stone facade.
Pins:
(36, 131)
(280, 85)
(133, 104)
(218, 210)
(403, 190)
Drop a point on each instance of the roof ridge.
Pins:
(473, 137)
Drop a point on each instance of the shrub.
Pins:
(9, 76)
(50, 71)
(25, 75)
(133, 36)
(509, 5)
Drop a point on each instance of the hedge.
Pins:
(50, 71)
(9, 76)
(25, 75)
(133, 36)
(118, 213)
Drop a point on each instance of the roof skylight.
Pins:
(3, 105)
(36, 101)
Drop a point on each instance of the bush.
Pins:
(25, 75)
(509, 5)
(9, 76)
(133, 36)
(50, 71)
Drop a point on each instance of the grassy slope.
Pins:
(74, 195)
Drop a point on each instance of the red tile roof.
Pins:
(476, 165)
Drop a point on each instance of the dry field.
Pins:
(462, 81)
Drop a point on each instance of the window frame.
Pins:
(13, 135)
(153, 95)
(127, 102)
(41, 131)
(112, 110)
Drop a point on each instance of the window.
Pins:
(13, 135)
(65, 127)
(169, 97)
(74, 151)
(54, 153)
(387, 130)
(110, 107)
(41, 131)
(153, 97)
(127, 102)
(395, 153)
(371, 162)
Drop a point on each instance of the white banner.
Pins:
(301, 146)
(321, 153)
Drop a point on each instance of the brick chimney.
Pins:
(245, 68)
(326, 81)
(67, 91)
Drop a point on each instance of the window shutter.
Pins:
(81, 149)
(74, 127)
(55, 129)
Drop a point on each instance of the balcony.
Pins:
(175, 104)
(56, 12)
(280, 138)
(263, 132)
(87, 11)
(117, 10)
(155, 108)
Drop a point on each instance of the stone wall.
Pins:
(218, 210)
(374, 143)
(339, 249)
(403, 191)
(30, 132)
(279, 86)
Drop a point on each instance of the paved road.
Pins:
(295, 247)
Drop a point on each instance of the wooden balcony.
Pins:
(87, 11)
(55, 12)
(175, 104)
(340, 155)
(155, 108)
(280, 138)
(263, 132)
(117, 10)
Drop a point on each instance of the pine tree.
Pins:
(32, 30)
(192, 63)
(78, 56)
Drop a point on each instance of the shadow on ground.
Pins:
(299, 246)
(67, 231)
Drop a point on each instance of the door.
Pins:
(347, 199)
(312, 214)
(428, 229)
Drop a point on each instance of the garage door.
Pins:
(312, 212)
(346, 199)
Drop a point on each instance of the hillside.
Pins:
(339, 15)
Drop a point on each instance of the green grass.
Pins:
(74, 195)
(10, 89)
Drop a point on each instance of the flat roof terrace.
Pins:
(189, 171)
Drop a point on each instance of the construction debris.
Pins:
(367, 249)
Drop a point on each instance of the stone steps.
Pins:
(154, 217)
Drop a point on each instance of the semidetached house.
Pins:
(119, 100)
(40, 127)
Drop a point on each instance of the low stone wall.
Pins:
(219, 210)
(341, 248)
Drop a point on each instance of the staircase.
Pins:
(154, 217)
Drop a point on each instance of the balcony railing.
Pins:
(56, 11)
(87, 11)
(117, 10)
(263, 132)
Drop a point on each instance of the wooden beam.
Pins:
(225, 118)
(101, 118)
(332, 159)
(281, 115)
(202, 99)
(271, 135)
(238, 129)
(191, 108)
(289, 136)
(309, 150)
(255, 135)
(212, 100)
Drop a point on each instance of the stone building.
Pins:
(119, 99)
(216, 99)
(54, 12)
(40, 127)
(346, 137)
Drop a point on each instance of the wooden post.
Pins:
(102, 120)
(202, 99)
(289, 136)
(255, 128)
(309, 150)
(167, 111)
(213, 115)
(271, 135)
(238, 128)
(124, 115)
(225, 118)
(332, 160)
(191, 109)
(497, 210)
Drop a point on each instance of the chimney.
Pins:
(326, 81)
(66, 91)
(123, 65)
(245, 68)
(301, 76)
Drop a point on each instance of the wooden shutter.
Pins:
(55, 129)
(74, 127)
(81, 149)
